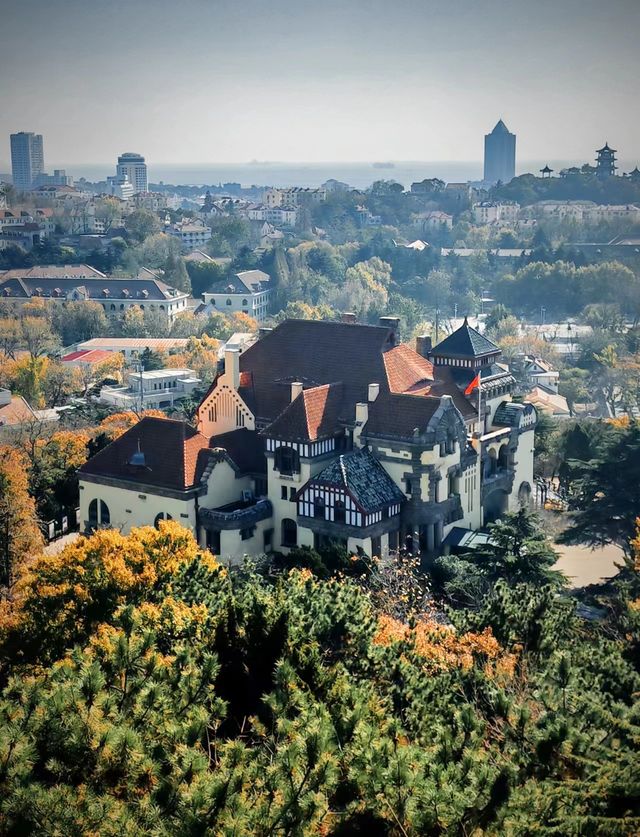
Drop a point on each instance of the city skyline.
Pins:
(204, 83)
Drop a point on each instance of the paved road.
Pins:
(585, 566)
(57, 546)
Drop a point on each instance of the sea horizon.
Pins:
(358, 175)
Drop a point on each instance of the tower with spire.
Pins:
(499, 154)
(606, 161)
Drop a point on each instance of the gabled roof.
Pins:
(175, 455)
(406, 368)
(465, 342)
(245, 448)
(312, 415)
(364, 478)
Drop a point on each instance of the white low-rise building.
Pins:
(191, 234)
(491, 212)
(248, 292)
(156, 389)
(78, 283)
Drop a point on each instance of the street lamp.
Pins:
(543, 312)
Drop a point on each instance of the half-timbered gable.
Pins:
(354, 491)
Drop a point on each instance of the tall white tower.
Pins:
(133, 167)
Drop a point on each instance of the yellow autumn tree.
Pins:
(62, 598)
(20, 536)
(116, 424)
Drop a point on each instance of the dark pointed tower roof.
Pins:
(466, 342)
(605, 148)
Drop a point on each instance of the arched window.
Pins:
(339, 512)
(229, 302)
(318, 507)
(245, 303)
(161, 516)
(113, 307)
(99, 514)
(289, 532)
(286, 460)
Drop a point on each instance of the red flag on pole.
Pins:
(473, 385)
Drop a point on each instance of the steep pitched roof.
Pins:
(245, 448)
(312, 415)
(315, 353)
(406, 368)
(364, 478)
(465, 342)
(398, 415)
(175, 455)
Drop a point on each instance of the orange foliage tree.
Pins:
(20, 536)
(61, 598)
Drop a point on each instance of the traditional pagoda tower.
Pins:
(634, 175)
(606, 161)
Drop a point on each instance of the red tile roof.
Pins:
(405, 368)
(88, 356)
(311, 416)
(175, 455)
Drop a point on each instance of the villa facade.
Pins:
(325, 432)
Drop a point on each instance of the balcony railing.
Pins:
(239, 515)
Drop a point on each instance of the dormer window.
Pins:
(287, 460)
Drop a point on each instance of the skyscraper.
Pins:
(499, 155)
(134, 167)
(27, 158)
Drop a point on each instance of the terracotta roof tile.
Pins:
(175, 455)
(405, 368)
(311, 416)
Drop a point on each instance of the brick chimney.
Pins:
(423, 345)
(349, 317)
(394, 324)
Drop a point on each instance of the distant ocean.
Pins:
(358, 175)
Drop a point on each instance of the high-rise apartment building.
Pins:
(133, 167)
(499, 155)
(27, 158)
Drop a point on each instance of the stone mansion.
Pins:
(327, 431)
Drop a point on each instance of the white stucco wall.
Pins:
(130, 508)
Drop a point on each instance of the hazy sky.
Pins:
(186, 81)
